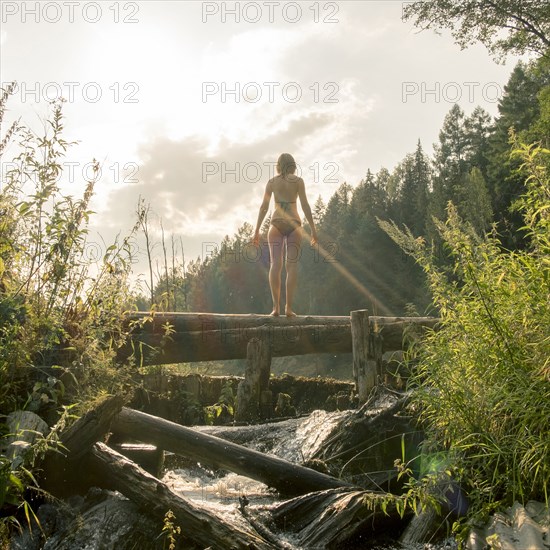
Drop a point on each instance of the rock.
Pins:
(519, 528)
(103, 520)
(24, 427)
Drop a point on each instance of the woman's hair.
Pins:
(286, 164)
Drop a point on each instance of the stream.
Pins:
(295, 440)
(106, 520)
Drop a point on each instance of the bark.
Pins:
(289, 479)
(117, 472)
(152, 348)
(209, 337)
(61, 468)
(336, 519)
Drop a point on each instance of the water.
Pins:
(296, 440)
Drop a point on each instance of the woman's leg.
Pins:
(275, 241)
(293, 253)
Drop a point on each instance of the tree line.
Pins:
(356, 264)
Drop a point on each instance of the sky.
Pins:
(188, 104)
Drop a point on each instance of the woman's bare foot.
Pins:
(275, 313)
(290, 313)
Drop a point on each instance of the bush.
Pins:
(482, 386)
(61, 314)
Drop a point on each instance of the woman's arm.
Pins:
(307, 210)
(263, 211)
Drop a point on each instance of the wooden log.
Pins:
(364, 369)
(336, 518)
(212, 345)
(114, 471)
(287, 478)
(200, 322)
(421, 529)
(148, 457)
(256, 379)
(219, 337)
(397, 332)
(61, 468)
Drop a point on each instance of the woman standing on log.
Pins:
(285, 227)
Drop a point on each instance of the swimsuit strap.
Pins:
(284, 204)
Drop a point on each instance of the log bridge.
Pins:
(167, 338)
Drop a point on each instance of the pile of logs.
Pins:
(324, 512)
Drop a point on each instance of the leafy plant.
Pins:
(170, 530)
(225, 407)
(61, 313)
(482, 384)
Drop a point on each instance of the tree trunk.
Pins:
(256, 380)
(114, 471)
(62, 473)
(289, 479)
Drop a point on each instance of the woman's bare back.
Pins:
(285, 190)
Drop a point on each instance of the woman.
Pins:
(285, 228)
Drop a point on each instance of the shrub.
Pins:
(482, 385)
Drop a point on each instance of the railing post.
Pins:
(364, 363)
(256, 377)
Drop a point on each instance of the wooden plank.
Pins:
(288, 478)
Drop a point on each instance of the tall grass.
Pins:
(61, 312)
(482, 386)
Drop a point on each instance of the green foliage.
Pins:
(61, 314)
(224, 409)
(482, 385)
(170, 530)
(504, 27)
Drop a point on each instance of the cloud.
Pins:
(196, 192)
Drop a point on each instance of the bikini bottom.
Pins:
(286, 227)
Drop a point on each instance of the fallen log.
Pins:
(337, 519)
(61, 467)
(114, 471)
(289, 479)
(369, 440)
